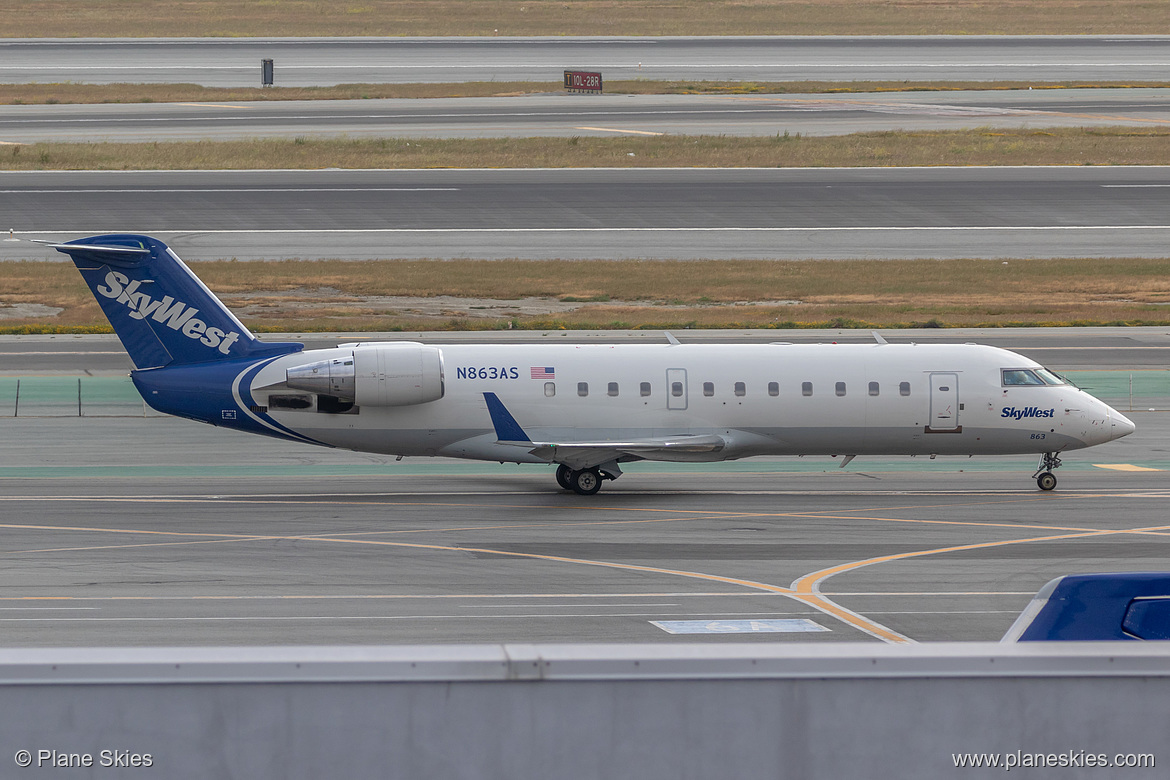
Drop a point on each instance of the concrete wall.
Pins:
(584, 711)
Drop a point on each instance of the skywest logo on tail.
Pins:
(176, 315)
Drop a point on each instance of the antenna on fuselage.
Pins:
(670, 337)
(878, 337)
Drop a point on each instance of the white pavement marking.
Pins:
(688, 229)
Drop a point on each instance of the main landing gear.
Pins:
(584, 482)
(1045, 479)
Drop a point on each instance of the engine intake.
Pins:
(375, 375)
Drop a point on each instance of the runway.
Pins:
(325, 61)
(604, 213)
(131, 531)
(565, 115)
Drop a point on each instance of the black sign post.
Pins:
(266, 73)
(583, 81)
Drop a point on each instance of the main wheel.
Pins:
(565, 477)
(586, 481)
(1046, 481)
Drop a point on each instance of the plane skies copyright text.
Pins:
(107, 759)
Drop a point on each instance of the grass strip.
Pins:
(74, 93)
(268, 18)
(335, 295)
(1058, 146)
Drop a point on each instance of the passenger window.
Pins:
(806, 388)
(550, 389)
(904, 388)
(676, 389)
(874, 389)
(773, 388)
(582, 389)
(840, 388)
(613, 388)
(644, 388)
(708, 388)
(740, 388)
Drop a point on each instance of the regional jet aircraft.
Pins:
(585, 409)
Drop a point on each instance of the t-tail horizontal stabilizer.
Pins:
(160, 310)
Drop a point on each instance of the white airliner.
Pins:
(586, 409)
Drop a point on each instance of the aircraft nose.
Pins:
(1119, 425)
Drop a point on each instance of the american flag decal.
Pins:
(544, 372)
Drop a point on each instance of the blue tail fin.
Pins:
(160, 310)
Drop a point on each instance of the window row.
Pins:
(738, 388)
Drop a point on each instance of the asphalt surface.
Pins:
(566, 115)
(325, 61)
(603, 213)
(156, 531)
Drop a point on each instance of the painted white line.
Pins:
(633, 65)
(529, 606)
(722, 229)
(935, 593)
(197, 190)
(225, 618)
(209, 105)
(790, 626)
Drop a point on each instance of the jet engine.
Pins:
(375, 375)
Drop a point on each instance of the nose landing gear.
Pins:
(1045, 479)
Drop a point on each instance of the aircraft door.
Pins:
(676, 388)
(944, 404)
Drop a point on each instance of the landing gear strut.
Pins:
(1045, 479)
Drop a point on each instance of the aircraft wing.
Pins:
(585, 454)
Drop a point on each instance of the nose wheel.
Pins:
(1045, 479)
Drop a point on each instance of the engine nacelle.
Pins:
(376, 375)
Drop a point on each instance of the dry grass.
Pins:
(646, 294)
(73, 93)
(231, 18)
(1071, 146)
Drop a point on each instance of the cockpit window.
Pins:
(1021, 376)
(1051, 378)
(1031, 376)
